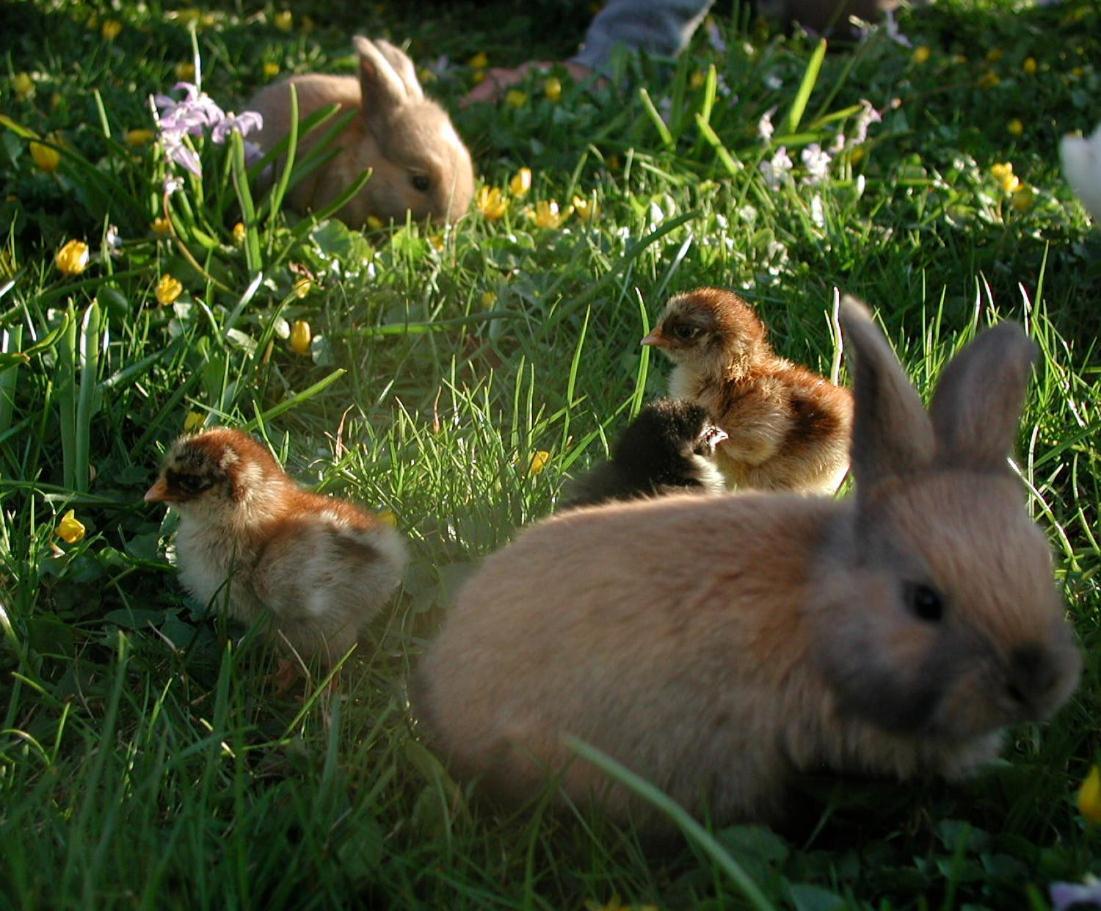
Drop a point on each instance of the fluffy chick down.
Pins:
(254, 542)
(787, 427)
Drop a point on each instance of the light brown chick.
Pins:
(251, 539)
(787, 427)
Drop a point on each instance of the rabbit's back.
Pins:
(592, 625)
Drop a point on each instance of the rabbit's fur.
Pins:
(419, 163)
(719, 646)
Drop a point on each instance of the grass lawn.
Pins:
(457, 378)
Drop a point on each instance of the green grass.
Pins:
(145, 760)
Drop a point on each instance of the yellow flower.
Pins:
(489, 298)
(308, 25)
(547, 214)
(552, 88)
(585, 208)
(302, 287)
(162, 227)
(185, 72)
(110, 29)
(538, 462)
(70, 529)
(921, 54)
(514, 98)
(239, 234)
(436, 240)
(22, 85)
(1029, 66)
(1003, 173)
(271, 69)
(988, 80)
(45, 158)
(139, 137)
(856, 155)
(479, 61)
(1015, 127)
(1078, 72)
(1089, 796)
(72, 259)
(520, 183)
(300, 337)
(386, 517)
(168, 289)
(1023, 198)
(491, 202)
(374, 223)
(194, 421)
(697, 79)
(994, 55)
(284, 21)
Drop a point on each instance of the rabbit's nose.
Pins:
(1032, 674)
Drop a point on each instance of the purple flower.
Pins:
(181, 153)
(243, 123)
(193, 115)
(189, 115)
(1067, 895)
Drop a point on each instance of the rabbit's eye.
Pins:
(924, 602)
(421, 182)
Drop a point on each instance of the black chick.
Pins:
(668, 448)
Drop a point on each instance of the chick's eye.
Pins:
(685, 332)
(190, 483)
(924, 602)
(420, 182)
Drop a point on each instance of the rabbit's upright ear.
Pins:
(978, 401)
(892, 434)
(383, 87)
(404, 68)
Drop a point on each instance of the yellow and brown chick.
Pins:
(252, 539)
(787, 428)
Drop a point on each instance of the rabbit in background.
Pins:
(420, 165)
(721, 646)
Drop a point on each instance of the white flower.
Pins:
(776, 168)
(774, 82)
(765, 129)
(817, 162)
(867, 116)
(817, 215)
(1081, 159)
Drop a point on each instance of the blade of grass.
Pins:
(692, 830)
(802, 96)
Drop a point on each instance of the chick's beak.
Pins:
(655, 338)
(158, 493)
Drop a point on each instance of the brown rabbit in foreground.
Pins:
(719, 646)
(419, 163)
